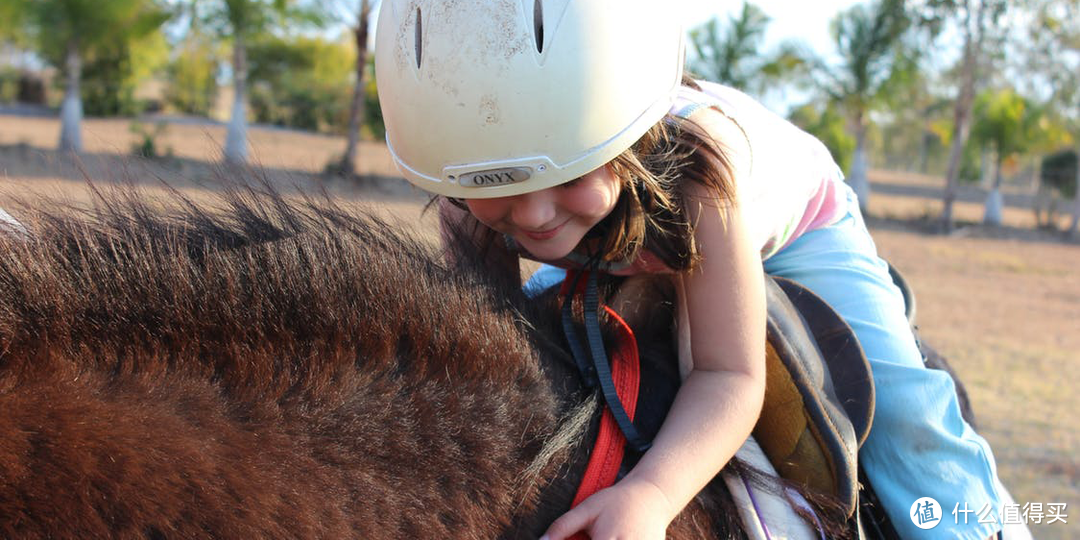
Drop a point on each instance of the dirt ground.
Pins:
(1001, 303)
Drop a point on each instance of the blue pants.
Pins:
(919, 445)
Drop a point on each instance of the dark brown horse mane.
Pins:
(278, 366)
(126, 286)
(309, 341)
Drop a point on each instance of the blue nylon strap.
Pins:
(588, 373)
(600, 370)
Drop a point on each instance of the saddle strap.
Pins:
(597, 369)
(609, 449)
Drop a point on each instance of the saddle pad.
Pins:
(819, 398)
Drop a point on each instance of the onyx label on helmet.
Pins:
(494, 177)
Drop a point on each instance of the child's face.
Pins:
(551, 222)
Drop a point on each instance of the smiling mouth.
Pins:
(545, 234)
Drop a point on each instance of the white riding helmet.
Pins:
(491, 98)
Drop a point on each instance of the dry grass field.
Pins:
(1002, 304)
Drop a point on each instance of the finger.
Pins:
(574, 521)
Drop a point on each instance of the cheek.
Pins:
(487, 211)
(594, 203)
(595, 195)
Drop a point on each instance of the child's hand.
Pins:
(628, 510)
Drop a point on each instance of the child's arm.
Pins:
(720, 399)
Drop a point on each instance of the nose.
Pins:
(532, 210)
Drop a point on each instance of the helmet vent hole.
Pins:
(538, 24)
(419, 33)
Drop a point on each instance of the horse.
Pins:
(279, 366)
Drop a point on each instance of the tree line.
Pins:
(971, 86)
(962, 88)
(279, 67)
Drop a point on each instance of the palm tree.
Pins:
(1055, 41)
(243, 21)
(976, 21)
(1009, 123)
(867, 39)
(13, 31)
(66, 31)
(734, 56)
(357, 107)
(723, 56)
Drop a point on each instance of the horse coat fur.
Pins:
(278, 369)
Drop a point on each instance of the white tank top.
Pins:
(786, 180)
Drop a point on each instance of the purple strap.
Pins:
(757, 509)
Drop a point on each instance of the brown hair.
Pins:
(652, 210)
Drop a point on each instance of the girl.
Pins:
(566, 128)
